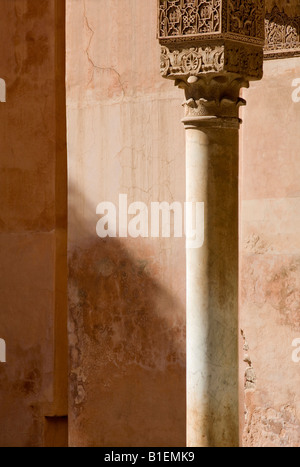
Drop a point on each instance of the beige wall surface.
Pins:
(32, 218)
(127, 296)
(270, 256)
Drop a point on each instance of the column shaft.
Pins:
(212, 288)
(212, 60)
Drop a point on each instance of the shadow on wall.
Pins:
(127, 344)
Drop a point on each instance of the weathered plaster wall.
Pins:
(270, 257)
(32, 219)
(127, 296)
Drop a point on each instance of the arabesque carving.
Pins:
(211, 49)
(203, 21)
(282, 34)
(189, 17)
(191, 62)
(211, 36)
(245, 17)
(230, 58)
(184, 20)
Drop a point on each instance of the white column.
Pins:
(197, 298)
(212, 284)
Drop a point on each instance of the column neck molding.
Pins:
(207, 123)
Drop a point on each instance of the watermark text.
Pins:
(2, 351)
(160, 220)
(296, 92)
(296, 352)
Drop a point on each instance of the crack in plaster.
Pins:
(91, 61)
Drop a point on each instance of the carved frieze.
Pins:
(192, 61)
(194, 22)
(230, 57)
(182, 18)
(282, 34)
(186, 20)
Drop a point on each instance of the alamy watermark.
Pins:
(2, 90)
(296, 352)
(160, 220)
(2, 351)
(296, 92)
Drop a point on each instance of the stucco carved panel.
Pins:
(282, 34)
(211, 49)
(183, 23)
(233, 58)
(189, 17)
(184, 20)
(211, 36)
(245, 18)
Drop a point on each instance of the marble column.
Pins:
(211, 282)
(212, 50)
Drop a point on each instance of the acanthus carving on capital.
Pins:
(212, 76)
(213, 96)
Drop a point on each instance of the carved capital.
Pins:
(213, 96)
(211, 48)
(212, 76)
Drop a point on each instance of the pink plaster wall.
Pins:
(127, 296)
(32, 219)
(127, 312)
(270, 257)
